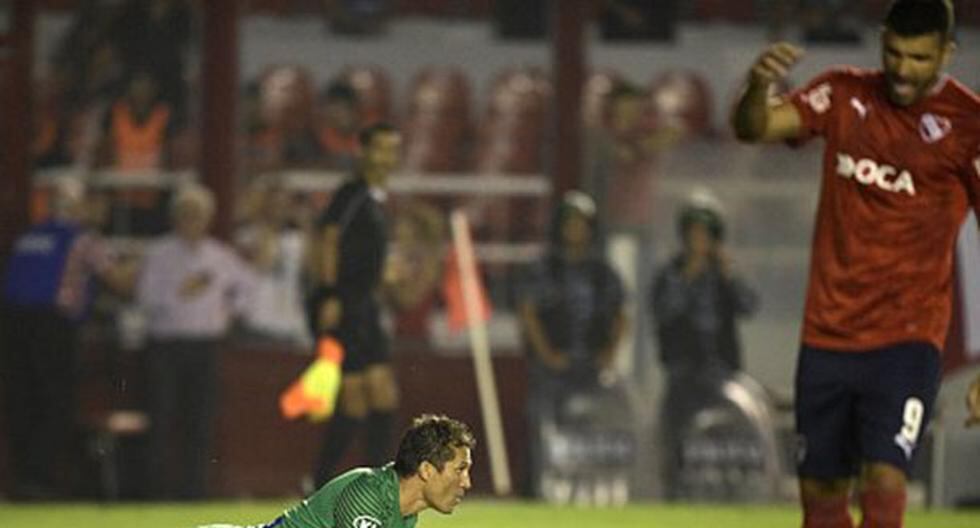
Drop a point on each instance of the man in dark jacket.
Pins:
(45, 291)
(696, 300)
(573, 320)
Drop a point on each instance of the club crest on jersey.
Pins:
(365, 521)
(932, 128)
(869, 172)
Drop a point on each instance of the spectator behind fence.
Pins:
(156, 35)
(138, 126)
(340, 122)
(191, 286)
(620, 160)
(281, 120)
(414, 267)
(696, 300)
(572, 312)
(138, 129)
(46, 292)
(262, 142)
(86, 60)
(273, 241)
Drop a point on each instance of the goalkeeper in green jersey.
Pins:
(431, 470)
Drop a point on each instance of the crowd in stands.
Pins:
(116, 95)
(119, 95)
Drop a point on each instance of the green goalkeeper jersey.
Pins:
(359, 498)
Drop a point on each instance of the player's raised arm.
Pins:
(755, 117)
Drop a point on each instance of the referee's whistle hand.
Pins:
(330, 313)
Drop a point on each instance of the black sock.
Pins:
(379, 424)
(340, 432)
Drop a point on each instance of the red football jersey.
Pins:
(897, 182)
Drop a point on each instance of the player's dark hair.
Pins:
(431, 438)
(914, 18)
(367, 134)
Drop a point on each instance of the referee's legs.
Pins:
(352, 410)
(382, 394)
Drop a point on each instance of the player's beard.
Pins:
(906, 92)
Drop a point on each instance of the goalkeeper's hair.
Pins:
(431, 438)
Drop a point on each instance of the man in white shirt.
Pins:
(190, 288)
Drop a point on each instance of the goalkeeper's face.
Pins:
(445, 489)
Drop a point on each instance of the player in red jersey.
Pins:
(901, 166)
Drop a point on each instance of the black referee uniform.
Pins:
(356, 210)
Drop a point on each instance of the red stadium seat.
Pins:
(511, 134)
(373, 88)
(437, 123)
(510, 140)
(286, 95)
(525, 92)
(682, 99)
(595, 94)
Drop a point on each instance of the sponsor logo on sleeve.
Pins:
(365, 521)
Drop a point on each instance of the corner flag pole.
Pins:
(480, 345)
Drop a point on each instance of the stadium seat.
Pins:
(510, 140)
(286, 118)
(682, 99)
(511, 134)
(437, 122)
(594, 96)
(286, 95)
(373, 88)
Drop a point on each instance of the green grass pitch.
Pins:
(474, 513)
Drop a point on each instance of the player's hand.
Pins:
(329, 316)
(973, 403)
(774, 63)
(725, 262)
(694, 265)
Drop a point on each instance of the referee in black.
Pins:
(348, 257)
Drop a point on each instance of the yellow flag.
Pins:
(314, 394)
